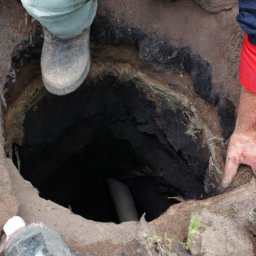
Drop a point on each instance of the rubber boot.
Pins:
(65, 63)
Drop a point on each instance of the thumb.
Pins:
(229, 172)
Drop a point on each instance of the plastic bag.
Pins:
(40, 253)
(37, 239)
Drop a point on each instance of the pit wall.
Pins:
(181, 36)
(162, 31)
(85, 235)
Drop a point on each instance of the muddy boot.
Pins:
(65, 63)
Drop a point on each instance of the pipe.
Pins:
(123, 201)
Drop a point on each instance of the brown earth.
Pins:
(215, 37)
(218, 38)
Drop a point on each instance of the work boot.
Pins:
(65, 63)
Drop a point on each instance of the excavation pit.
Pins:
(116, 125)
(164, 28)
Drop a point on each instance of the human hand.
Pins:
(242, 145)
(241, 150)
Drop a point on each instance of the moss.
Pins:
(167, 101)
(124, 75)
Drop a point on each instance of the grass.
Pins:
(228, 212)
(192, 231)
(162, 246)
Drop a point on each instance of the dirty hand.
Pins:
(242, 145)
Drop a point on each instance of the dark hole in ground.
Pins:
(110, 129)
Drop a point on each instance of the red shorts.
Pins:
(247, 69)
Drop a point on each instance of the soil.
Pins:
(187, 34)
(104, 140)
(217, 38)
(219, 231)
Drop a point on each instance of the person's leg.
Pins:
(64, 18)
(65, 60)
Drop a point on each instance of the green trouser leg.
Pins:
(64, 18)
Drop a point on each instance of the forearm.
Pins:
(246, 121)
(242, 145)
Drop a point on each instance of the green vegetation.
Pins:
(192, 231)
(162, 246)
(228, 212)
